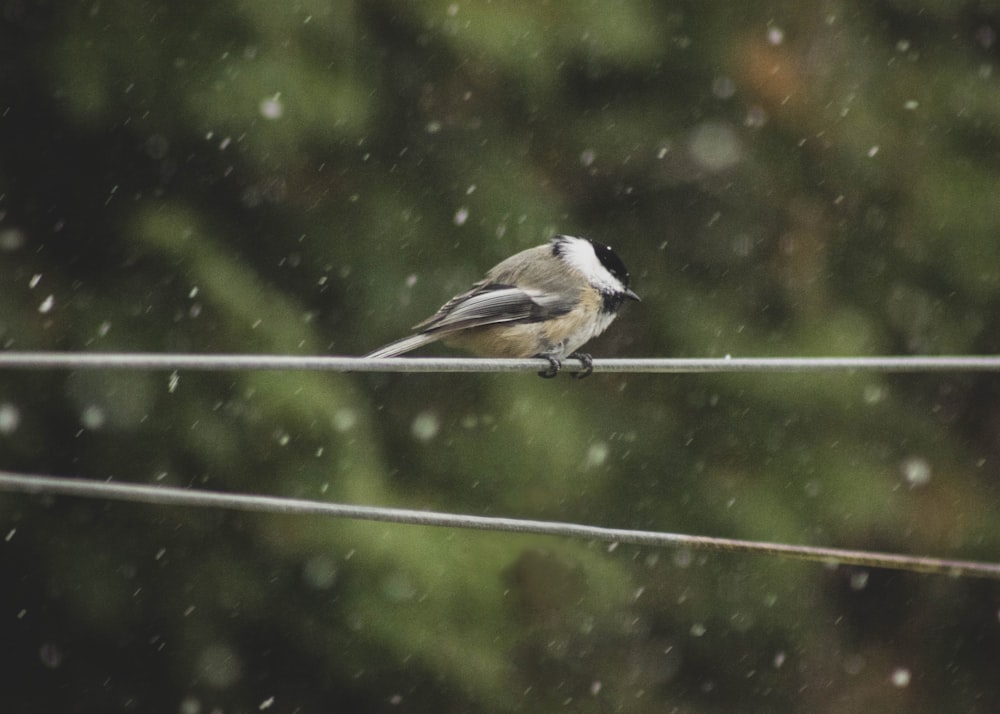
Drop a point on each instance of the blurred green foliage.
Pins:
(783, 178)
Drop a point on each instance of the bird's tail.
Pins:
(406, 344)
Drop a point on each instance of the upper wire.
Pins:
(228, 362)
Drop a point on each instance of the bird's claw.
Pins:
(588, 365)
(553, 368)
(555, 365)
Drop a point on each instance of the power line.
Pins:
(170, 496)
(240, 362)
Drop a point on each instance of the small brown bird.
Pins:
(545, 302)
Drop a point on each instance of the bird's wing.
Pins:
(490, 304)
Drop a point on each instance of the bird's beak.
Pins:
(632, 296)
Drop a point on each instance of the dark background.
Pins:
(782, 178)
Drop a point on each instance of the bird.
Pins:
(546, 302)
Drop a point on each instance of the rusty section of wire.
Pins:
(170, 496)
(11, 360)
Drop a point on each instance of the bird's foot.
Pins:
(588, 365)
(553, 369)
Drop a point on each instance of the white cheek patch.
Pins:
(579, 254)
